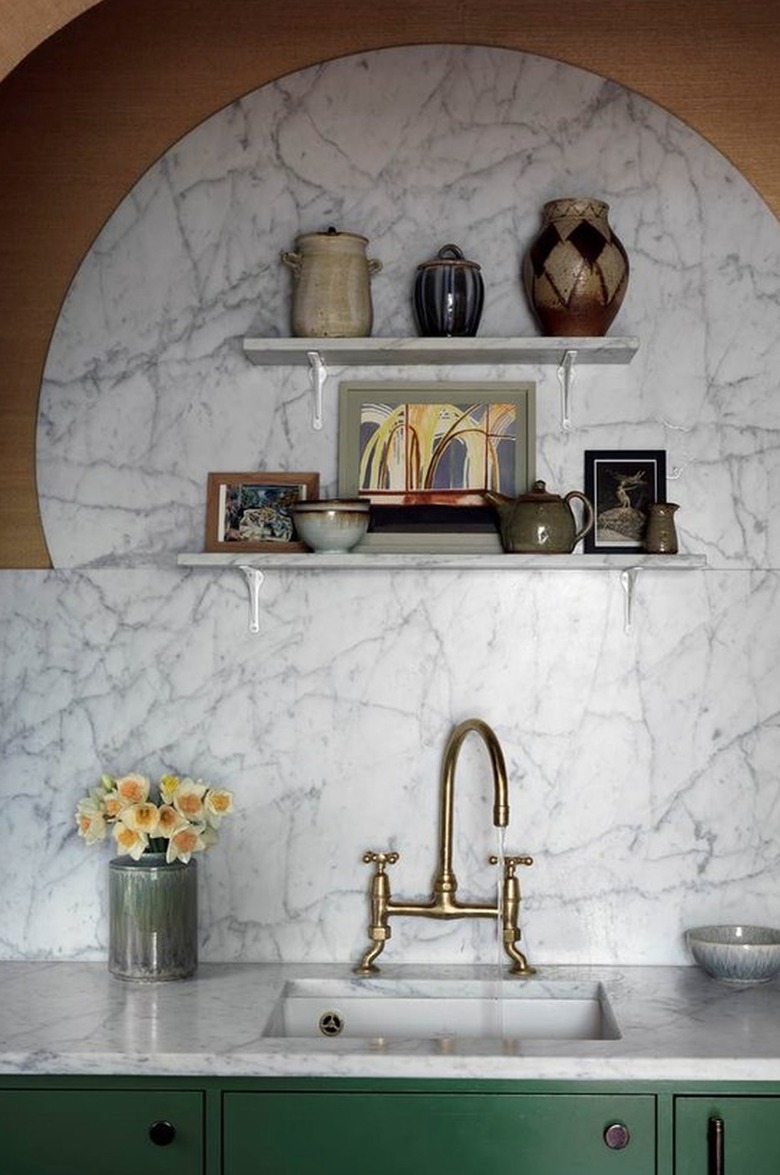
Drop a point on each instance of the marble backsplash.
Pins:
(643, 764)
(643, 767)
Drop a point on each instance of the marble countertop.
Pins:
(74, 1018)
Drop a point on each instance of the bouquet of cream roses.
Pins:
(183, 819)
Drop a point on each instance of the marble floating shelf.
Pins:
(566, 353)
(352, 561)
(255, 565)
(402, 351)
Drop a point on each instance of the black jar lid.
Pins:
(449, 255)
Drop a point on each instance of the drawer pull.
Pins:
(617, 1136)
(162, 1133)
(716, 1151)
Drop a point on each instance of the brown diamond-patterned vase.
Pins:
(576, 272)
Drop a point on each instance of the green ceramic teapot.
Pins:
(538, 523)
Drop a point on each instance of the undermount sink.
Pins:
(388, 1010)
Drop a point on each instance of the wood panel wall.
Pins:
(85, 113)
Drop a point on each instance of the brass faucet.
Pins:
(443, 903)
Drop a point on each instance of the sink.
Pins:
(387, 1009)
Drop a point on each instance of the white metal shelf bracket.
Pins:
(566, 373)
(318, 373)
(254, 579)
(628, 584)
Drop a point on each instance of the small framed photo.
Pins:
(622, 485)
(252, 511)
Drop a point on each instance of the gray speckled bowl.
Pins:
(736, 954)
(331, 526)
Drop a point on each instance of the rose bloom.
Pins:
(184, 842)
(141, 818)
(189, 799)
(133, 789)
(217, 802)
(129, 841)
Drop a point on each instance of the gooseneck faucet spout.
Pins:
(443, 903)
(445, 879)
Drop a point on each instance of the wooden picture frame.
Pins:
(251, 511)
(622, 485)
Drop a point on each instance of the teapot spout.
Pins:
(498, 501)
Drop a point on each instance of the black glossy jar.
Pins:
(448, 295)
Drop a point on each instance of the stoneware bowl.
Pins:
(736, 954)
(331, 526)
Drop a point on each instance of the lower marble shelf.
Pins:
(255, 565)
(350, 561)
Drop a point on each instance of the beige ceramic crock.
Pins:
(332, 296)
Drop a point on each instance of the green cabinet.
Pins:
(735, 1134)
(420, 1133)
(55, 1131)
(292, 1126)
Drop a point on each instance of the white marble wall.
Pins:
(643, 765)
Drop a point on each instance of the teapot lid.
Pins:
(538, 493)
(449, 255)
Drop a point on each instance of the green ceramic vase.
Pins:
(153, 918)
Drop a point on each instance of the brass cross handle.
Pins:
(379, 859)
(511, 863)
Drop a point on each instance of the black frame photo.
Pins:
(622, 485)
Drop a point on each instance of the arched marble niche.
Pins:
(146, 386)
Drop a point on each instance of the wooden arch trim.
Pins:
(95, 90)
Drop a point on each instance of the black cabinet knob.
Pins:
(617, 1136)
(162, 1133)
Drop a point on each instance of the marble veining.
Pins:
(643, 766)
(675, 1024)
(645, 789)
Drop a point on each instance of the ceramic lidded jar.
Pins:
(576, 271)
(332, 296)
(448, 295)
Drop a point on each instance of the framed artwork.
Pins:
(406, 444)
(424, 455)
(622, 484)
(251, 511)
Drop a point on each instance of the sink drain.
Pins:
(331, 1023)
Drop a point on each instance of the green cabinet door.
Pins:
(746, 1131)
(100, 1132)
(438, 1133)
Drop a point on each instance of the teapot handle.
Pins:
(588, 514)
